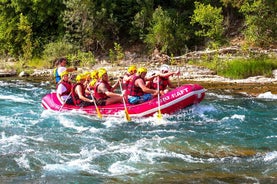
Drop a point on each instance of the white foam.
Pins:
(220, 96)
(270, 156)
(23, 162)
(68, 123)
(15, 139)
(120, 168)
(237, 116)
(15, 99)
(267, 95)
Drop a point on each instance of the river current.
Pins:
(227, 138)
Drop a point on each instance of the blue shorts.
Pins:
(139, 99)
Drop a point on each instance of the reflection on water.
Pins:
(224, 139)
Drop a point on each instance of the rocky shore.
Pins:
(189, 74)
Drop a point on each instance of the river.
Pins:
(227, 138)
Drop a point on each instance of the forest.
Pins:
(89, 28)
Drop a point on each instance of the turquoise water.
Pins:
(227, 138)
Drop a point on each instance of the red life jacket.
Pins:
(75, 96)
(125, 83)
(98, 95)
(132, 89)
(68, 87)
(163, 82)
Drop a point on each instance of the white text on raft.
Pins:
(175, 95)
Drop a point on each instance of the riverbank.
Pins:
(252, 86)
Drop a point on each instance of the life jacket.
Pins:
(163, 83)
(98, 95)
(74, 95)
(56, 75)
(125, 83)
(68, 87)
(132, 89)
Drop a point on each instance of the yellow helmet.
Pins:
(132, 69)
(101, 72)
(92, 82)
(80, 77)
(64, 73)
(142, 70)
(86, 75)
(94, 74)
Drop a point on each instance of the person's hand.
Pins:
(178, 72)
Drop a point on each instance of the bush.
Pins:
(57, 49)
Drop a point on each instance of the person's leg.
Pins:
(133, 99)
(113, 100)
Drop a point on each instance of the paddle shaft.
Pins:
(96, 107)
(159, 102)
(65, 101)
(128, 118)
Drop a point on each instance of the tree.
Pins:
(28, 23)
(160, 33)
(261, 18)
(210, 20)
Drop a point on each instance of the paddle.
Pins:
(65, 101)
(96, 107)
(127, 116)
(179, 77)
(159, 102)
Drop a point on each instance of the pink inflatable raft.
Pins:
(171, 102)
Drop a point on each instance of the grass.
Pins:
(244, 68)
(241, 68)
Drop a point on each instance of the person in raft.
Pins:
(137, 91)
(103, 91)
(64, 89)
(78, 92)
(127, 76)
(61, 67)
(163, 79)
(91, 84)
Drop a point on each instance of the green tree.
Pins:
(261, 22)
(160, 31)
(210, 20)
(37, 21)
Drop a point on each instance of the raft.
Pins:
(174, 100)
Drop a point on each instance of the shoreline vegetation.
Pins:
(193, 67)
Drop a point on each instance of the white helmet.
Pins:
(164, 67)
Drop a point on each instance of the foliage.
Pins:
(261, 18)
(86, 58)
(58, 49)
(210, 20)
(27, 25)
(160, 34)
(116, 53)
(30, 26)
(244, 68)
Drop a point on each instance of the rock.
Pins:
(23, 74)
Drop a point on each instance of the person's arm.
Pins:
(80, 95)
(102, 89)
(168, 74)
(116, 84)
(71, 69)
(59, 93)
(150, 78)
(140, 83)
(170, 84)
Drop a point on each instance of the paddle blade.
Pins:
(98, 113)
(160, 116)
(128, 118)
